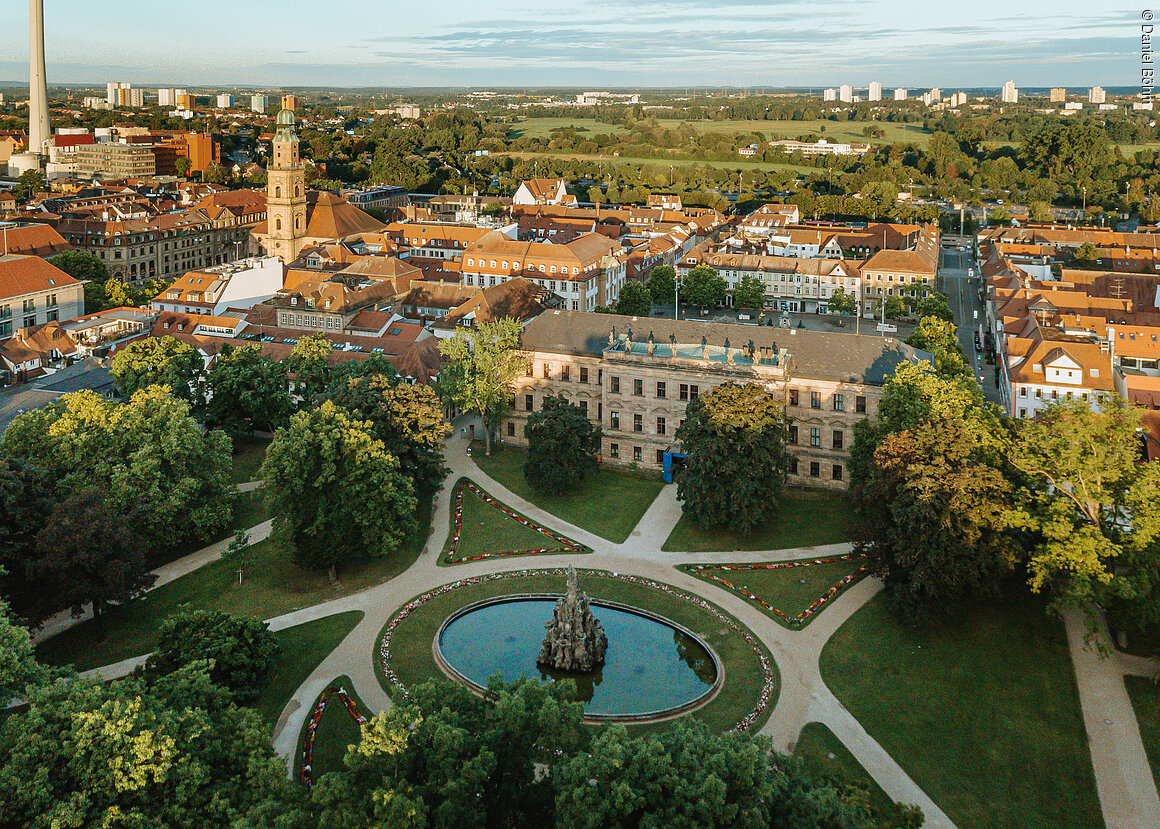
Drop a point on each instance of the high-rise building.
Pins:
(168, 97)
(900, 94)
(830, 95)
(1096, 95)
(1057, 95)
(935, 94)
(290, 102)
(874, 93)
(38, 129)
(285, 193)
(1009, 94)
(183, 100)
(846, 93)
(259, 103)
(958, 99)
(225, 101)
(124, 95)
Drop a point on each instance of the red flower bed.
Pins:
(307, 775)
(800, 620)
(564, 544)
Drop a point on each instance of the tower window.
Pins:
(277, 192)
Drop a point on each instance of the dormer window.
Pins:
(293, 300)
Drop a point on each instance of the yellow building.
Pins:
(290, 102)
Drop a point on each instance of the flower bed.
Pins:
(307, 774)
(562, 544)
(800, 620)
(770, 677)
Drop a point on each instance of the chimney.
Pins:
(38, 130)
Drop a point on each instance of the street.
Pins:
(962, 291)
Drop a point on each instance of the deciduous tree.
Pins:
(662, 281)
(247, 390)
(749, 293)
(243, 651)
(482, 363)
(87, 553)
(308, 362)
(704, 286)
(165, 361)
(562, 446)
(407, 418)
(635, 300)
(335, 491)
(735, 438)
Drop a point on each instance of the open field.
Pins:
(983, 713)
(799, 522)
(772, 130)
(588, 504)
(739, 164)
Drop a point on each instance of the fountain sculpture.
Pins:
(575, 640)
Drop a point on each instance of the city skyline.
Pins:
(666, 43)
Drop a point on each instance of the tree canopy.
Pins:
(163, 361)
(735, 437)
(335, 491)
(151, 459)
(704, 286)
(562, 446)
(247, 390)
(406, 418)
(482, 363)
(635, 300)
(749, 293)
(242, 651)
(661, 284)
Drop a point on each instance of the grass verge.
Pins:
(829, 761)
(412, 660)
(984, 715)
(801, 521)
(588, 504)
(1145, 695)
(304, 647)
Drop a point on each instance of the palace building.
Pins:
(635, 377)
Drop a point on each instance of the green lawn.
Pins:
(249, 452)
(249, 511)
(791, 589)
(983, 715)
(273, 585)
(413, 662)
(829, 761)
(304, 647)
(487, 532)
(1145, 694)
(800, 521)
(588, 505)
(337, 730)
(832, 130)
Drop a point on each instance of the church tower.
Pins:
(285, 193)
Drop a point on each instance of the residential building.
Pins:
(381, 197)
(1009, 94)
(907, 274)
(29, 239)
(958, 99)
(33, 349)
(543, 191)
(435, 240)
(519, 299)
(636, 377)
(1096, 95)
(104, 329)
(211, 291)
(935, 95)
(34, 292)
(167, 97)
(830, 94)
(124, 95)
(874, 93)
(846, 93)
(290, 102)
(900, 94)
(792, 283)
(259, 103)
(115, 161)
(587, 271)
(183, 101)
(225, 101)
(1057, 95)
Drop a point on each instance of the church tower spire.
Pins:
(285, 193)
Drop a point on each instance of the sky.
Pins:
(585, 43)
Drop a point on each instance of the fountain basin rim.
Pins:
(658, 715)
